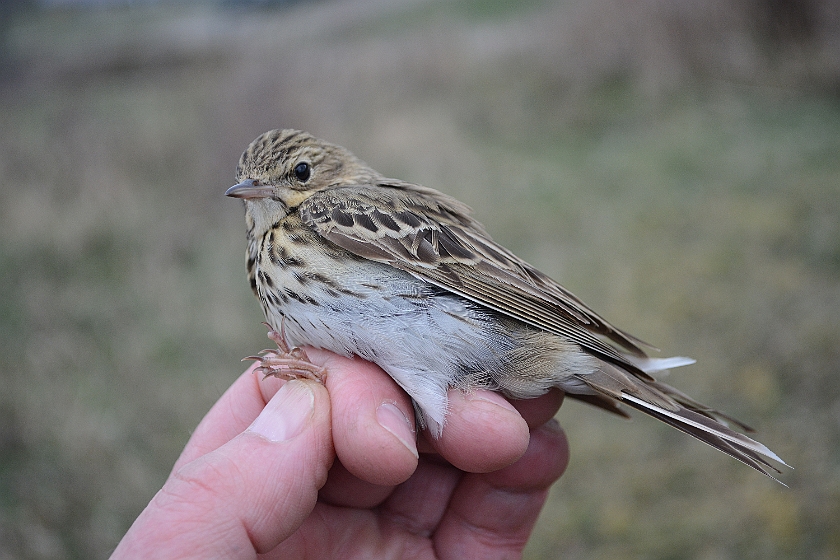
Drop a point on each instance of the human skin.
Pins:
(301, 469)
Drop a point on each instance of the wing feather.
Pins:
(433, 237)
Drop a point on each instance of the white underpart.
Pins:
(421, 342)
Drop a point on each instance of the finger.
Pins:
(345, 489)
(418, 504)
(483, 432)
(232, 413)
(540, 410)
(400, 528)
(249, 494)
(491, 515)
(372, 420)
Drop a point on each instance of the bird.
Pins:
(345, 259)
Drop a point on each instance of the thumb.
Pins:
(248, 495)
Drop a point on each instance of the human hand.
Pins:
(260, 475)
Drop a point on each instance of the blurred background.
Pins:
(676, 164)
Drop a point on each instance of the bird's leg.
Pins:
(285, 362)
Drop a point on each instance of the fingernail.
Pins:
(286, 414)
(489, 397)
(392, 419)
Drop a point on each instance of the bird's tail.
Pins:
(682, 412)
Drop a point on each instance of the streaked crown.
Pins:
(297, 160)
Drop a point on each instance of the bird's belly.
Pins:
(426, 338)
(388, 317)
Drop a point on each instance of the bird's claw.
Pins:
(285, 362)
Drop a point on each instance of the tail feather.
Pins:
(715, 434)
(701, 408)
(601, 401)
(682, 412)
(652, 365)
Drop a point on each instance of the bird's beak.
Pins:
(247, 189)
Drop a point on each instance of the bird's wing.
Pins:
(432, 236)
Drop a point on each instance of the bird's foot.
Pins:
(285, 362)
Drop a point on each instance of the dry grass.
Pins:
(700, 210)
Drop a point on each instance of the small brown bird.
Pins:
(344, 259)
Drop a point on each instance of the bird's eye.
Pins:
(302, 171)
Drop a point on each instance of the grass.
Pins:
(705, 220)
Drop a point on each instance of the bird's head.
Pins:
(282, 168)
